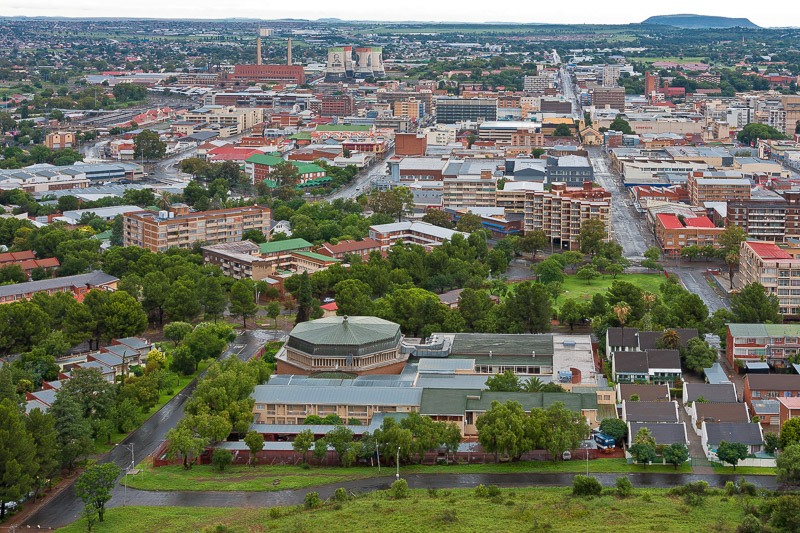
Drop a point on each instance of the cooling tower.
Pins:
(363, 62)
(348, 61)
(335, 68)
(377, 62)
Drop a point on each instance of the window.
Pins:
(756, 394)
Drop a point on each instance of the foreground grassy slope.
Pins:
(533, 509)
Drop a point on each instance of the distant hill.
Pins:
(700, 21)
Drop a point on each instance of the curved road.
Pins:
(415, 481)
(65, 507)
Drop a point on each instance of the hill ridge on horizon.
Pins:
(687, 20)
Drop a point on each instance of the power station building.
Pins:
(343, 64)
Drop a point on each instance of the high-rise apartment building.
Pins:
(613, 97)
(775, 269)
(538, 84)
(611, 75)
(179, 228)
(452, 110)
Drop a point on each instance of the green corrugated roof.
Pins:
(445, 402)
(319, 257)
(501, 344)
(533, 400)
(264, 159)
(283, 246)
(764, 330)
(103, 235)
(308, 168)
(343, 127)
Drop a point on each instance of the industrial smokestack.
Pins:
(289, 53)
(258, 50)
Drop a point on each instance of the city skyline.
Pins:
(447, 11)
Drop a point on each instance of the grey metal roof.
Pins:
(306, 395)
(665, 434)
(766, 407)
(137, 343)
(717, 393)
(743, 433)
(437, 364)
(93, 278)
(501, 344)
(715, 374)
(47, 396)
(630, 362)
(342, 335)
(454, 381)
(650, 411)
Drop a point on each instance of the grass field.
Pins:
(578, 288)
(517, 509)
(745, 470)
(261, 478)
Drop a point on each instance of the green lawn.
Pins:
(261, 478)
(745, 470)
(578, 288)
(514, 509)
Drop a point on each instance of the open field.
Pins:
(578, 288)
(526, 509)
(261, 478)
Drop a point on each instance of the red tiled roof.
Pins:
(699, 222)
(768, 250)
(329, 307)
(350, 246)
(13, 257)
(669, 221)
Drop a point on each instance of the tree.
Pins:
(562, 130)
(587, 273)
(788, 463)
(95, 484)
(285, 174)
(42, 428)
(177, 331)
(320, 450)
(752, 132)
(183, 362)
(273, 311)
(501, 430)
(212, 296)
(303, 442)
(340, 439)
(184, 443)
(220, 459)
(643, 449)
(73, 430)
(304, 299)
(730, 241)
(530, 308)
(18, 466)
(155, 290)
(243, 301)
(593, 233)
(564, 429)
(469, 223)
(676, 454)
(732, 452)
(614, 427)
(620, 124)
(255, 443)
(505, 382)
(572, 311)
(437, 217)
(622, 310)
(549, 271)
(147, 145)
(752, 305)
(395, 202)
(670, 340)
(353, 298)
(790, 433)
(533, 242)
(652, 255)
(182, 302)
(698, 355)
(474, 305)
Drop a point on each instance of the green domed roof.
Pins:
(343, 335)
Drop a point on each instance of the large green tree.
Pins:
(147, 145)
(752, 305)
(530, 308)
(754, 131)
(505, 382)
(42, 428)
(788, 463)
(95, 484)
(732, 452)
(502, 430)
(593, 233)
(18, 467)
(243, 303)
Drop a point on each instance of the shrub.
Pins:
(493, 490)
(624, 487)
(305, 466)
(433, 493)
(481, 491)
(693, 499)
(399, 489)
(340, 495)
(696, 487)
(312, 500)
(448, 516)
(745, 487)
(730, 488)
(586, 486)
(275, 512)
(221, 459)
(750, 524)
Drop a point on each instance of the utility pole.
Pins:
(378, 455)
(398, 463)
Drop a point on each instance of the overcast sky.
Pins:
(570, 11)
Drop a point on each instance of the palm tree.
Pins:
(648, 298)
(622, 310)
(164, 200)
(533, 384)
(670, 339)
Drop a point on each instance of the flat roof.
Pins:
(768, 250)
(326, 395)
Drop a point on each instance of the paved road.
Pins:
(627, 227)
(694, 279)
(66, 507)
(361, 182)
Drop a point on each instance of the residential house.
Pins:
(788, 408)
(767, 411)
(650, 366)
(644, 392)
(717, 412)
(655, 412)
(712, 433)
(770, 387)
(663, 433)
(720, 393)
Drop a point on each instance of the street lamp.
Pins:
(127, 470)
(398, 463)
(378, 455)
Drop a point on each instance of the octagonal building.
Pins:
(355, 345)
